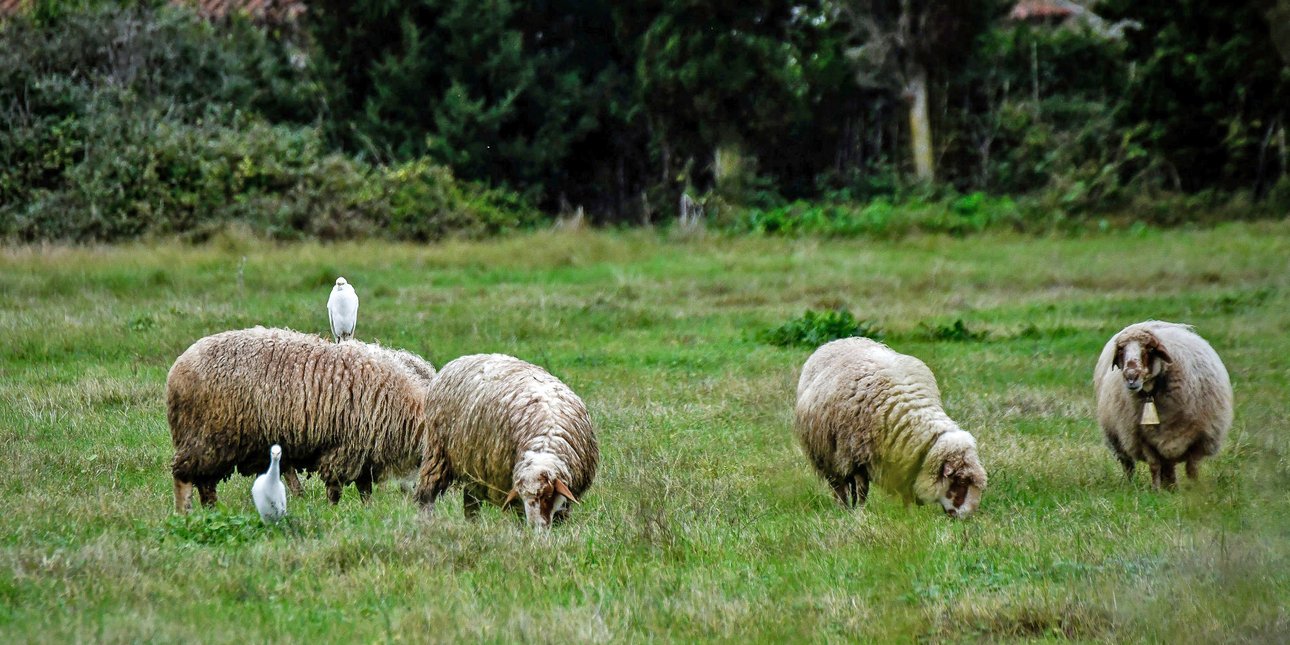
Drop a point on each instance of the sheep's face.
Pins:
(545, 499)
(1140, 361)
(952, 475)
(960, 492)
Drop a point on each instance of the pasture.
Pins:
(705, 521)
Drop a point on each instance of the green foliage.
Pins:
(958, 215)
(183, 129)
(956, 331)
(214, 528)
(1209, 89)
(362, 110)
(814, 328)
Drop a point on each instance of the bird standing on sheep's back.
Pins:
(342, 310)
(268, 492)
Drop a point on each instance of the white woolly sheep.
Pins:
(867, 413)
(506, 429)
(353, 412)
(1163, 396)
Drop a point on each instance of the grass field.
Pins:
(705, 522)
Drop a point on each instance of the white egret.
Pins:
(268, 492)
(342, 310)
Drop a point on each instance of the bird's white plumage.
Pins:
(268, 492)
(342, 310)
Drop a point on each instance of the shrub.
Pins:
(126, 122)
(956, 331)
(814, 328)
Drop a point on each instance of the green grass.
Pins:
(705, 521)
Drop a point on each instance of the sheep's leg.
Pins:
(471, 500)
(841, 491)
(206, 490)
(1128, 464)
(1167, 476)
(333, 491)
(435, 477)
(1194, 455)
(364, 485)
(183, 496)
(860, 488)
(293, 481)
(1193, 467)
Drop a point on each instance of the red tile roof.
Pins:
(1040, 10)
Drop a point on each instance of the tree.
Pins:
(1210, 88)
(903, 45)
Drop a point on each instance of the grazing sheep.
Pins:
(267, 492)
(347, 410)
(1163, 396)
(867, 413)
(423, 372)
(342, 310)
(507, 429)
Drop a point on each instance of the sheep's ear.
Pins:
(510, 497)
(1160, 353)
(1118, 361)
(564, 490)
(947, 470)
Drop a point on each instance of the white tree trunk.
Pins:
(920, 128)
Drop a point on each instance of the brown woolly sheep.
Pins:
(346, 410)
(867, 413)
(423, 371)
(1163, 396)
(507, 429)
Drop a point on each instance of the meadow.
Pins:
(705, 522)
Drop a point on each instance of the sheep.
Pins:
(867, 413)
(1163, 396)
(507, 429)
(345, 410)
(423, 371)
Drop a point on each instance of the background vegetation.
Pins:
(416, 119)
(705, 521)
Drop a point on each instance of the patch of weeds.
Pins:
(1231, 303)
(143, 323)
(815, 328)
(956, 332)
(213, 528)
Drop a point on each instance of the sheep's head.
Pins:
(540, 488)
(1141, 358)
(952, 475)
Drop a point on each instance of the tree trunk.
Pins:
(920, 128)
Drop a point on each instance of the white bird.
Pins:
(342, 310)
(268, 492)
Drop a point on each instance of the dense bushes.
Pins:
(130, 122)
(422, 119)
